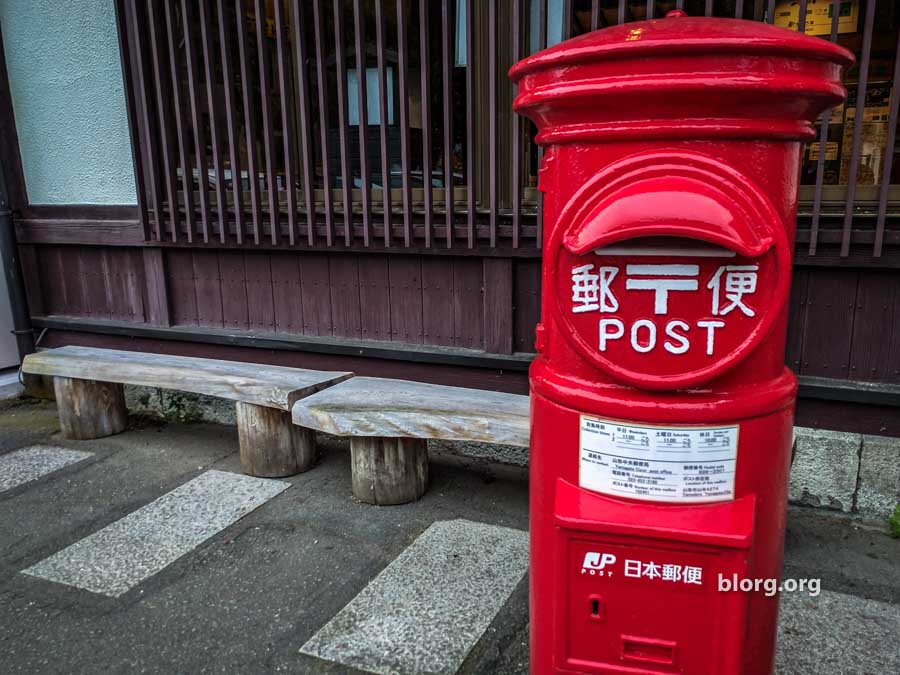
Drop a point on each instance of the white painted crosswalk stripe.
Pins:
(28, 464)
(429, 607)
(117, 558)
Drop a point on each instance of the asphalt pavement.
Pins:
(149, 552)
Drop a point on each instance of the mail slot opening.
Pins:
(665, 246)
(648, 650)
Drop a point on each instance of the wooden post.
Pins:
(89, 409)
(271, 445)
(389, 470)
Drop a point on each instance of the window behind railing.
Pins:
(355, 123)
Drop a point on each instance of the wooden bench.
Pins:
(389, 422)
(91, 400)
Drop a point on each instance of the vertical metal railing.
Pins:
(255, 123)
(343, 130)
(307, 152)
(199, 132)
(541, 44)
(878, 244)
(517, 138)
(215, 136)
(425, 89)
(447, 91)
(471, 66)
(287, 122)
(383, 108)
(824, 126)
(249, 122)
(365, 173)
(187, 181)
(231, 119)
(164, 110)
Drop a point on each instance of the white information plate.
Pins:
(661, 464)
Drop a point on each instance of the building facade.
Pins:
(342, 184)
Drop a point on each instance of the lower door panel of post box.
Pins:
(646, 602)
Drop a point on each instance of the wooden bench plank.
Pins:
(371, 406)
(253, 383)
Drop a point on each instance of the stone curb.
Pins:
(851, 473)
(825, 468)
(878, 491)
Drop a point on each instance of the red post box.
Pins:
(661, 407)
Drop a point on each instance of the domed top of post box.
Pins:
(681, 77)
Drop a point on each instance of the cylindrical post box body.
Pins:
(661, 408)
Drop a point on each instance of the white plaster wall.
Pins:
(69, 102)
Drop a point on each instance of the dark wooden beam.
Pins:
(499, 377)
(10, 158)
(87, 232)
(77, 212)
(31, 278)
(117, 225)
(850, 391)
(132, 114)
(871, 393)
(282, 341)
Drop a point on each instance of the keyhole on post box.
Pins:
(595, 607)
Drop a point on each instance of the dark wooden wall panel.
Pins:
(31, 278)
(125, 284)
(155, 287)
(498, 305)
(260, 303)
(58, 296)
(831, 299)
(54, 291)
(94, 284)
(892, 368)
(316, 293)
(468, 303)
(793, 352)
(343, 272)
(873, 322)
(843, 323)
(526, 303)
(374, 298)
(182, 289)
(208, 288)
(94, 270)
(405, 277)
(234, 289)
(437, 301)
(287, 293)
(73, 280)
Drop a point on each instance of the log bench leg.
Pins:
(271, 444)
(89, 409)
(389, 470)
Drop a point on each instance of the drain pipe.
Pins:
(9, 256)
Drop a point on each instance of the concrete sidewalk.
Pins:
(147, 552)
